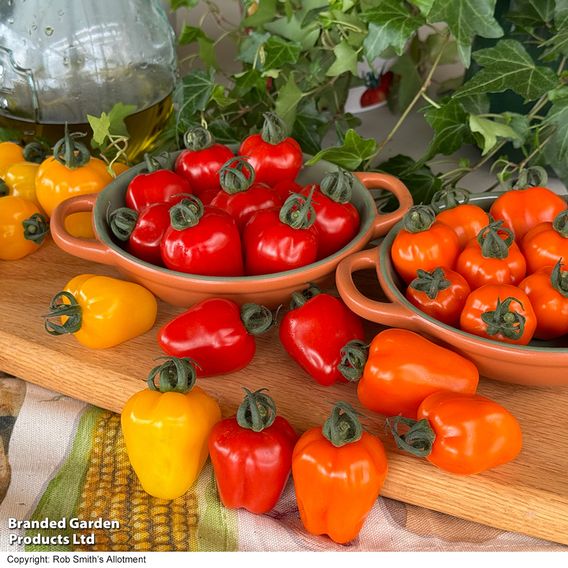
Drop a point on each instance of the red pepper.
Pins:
(217, 334)
(143, 232)
(337, 220)
(323, 336)
(240, 196)
(251, 454)
(201, 161)
(277, 240)
(158, 185)
(202, 240)
(274, 156)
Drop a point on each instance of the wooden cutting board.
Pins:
(528, 496)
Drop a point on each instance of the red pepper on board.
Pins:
(251, 454)
(217, 334)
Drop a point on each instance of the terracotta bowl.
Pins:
(183, 289)
(539, 363)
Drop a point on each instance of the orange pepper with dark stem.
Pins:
(338, 472)
(460, 433)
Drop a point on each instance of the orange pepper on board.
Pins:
(338, 472)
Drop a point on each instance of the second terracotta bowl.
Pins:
(183, 289)
(539, 363)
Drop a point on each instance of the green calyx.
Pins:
(236, 175)
(57, 309)
(198, 138)
(69, 152)
(431, 283)
(257, 411)
(186, 213)
(450, 198)
(559, 279)
(560, 224)
(152, 164)
(300, 298)
(36, 228)
(338, 185)
(274, 129)
(419, 438)
(298, 211)
(256, 319)
(419, 218)
(531, 177)
(176, 374)
(491, 243)
(35, 152)
(504, 321)
(4, 189)
(353, 359)
(122, 222)
(343, 425)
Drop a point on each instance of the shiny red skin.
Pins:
(210, 248)
(336, 223)
(155, 187)
(286, 188)
(272, 163)
(273, 246)
(201, 169)
(211, 333)
(145, 239)
(251, 468)
(314, 334)
(244, 204)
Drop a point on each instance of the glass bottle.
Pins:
(61, 60)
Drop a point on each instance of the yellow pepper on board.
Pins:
(101, 311)
(71, 171)
(166, 429)
(22, 227)
(20, 180)
(10, 153)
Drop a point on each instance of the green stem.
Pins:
(256, 319)
(69, 152)
(431, 283)
(36, 228)
(343, 426)
(419, 438)
(503, 321)
(353, 359)
(300, 298)
(257, 411)
(186, 213)
(298, 211)
(559, 279)
(176, 374)
(58, 308)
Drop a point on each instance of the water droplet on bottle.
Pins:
(66, 61)
(34, 27)
(61, 13)
(3, 103)
(1, 70)
(10, 20)
(48, 31)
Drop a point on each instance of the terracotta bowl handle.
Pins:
(83, 248)
(374, 180)
(385, 313)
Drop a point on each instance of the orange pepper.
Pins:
(10, 153)
(338, 473)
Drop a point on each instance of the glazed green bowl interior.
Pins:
(396, 285)
(113, 197)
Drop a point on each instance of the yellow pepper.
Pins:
(22, 227)
(20, 180)
(101, 311)
(166, 429)
(69, 172)
(10, 153)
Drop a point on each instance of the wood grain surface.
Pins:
(529, 495)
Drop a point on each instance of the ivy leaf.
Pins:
(521, 124)
(418, 178)
(309, 126)
(489, 131)
(345, 123)
(451, 129)
(288, 98)
(280, 52)
(10, 135)
(391, 24)
(507, 65)
(250, 47)
(466, 19)
(476, 104)
(406, 83)
(248, 81)
(220, 97)
(351, 154)
(293, 30)
(223, 132)
(265, 12)
(556, 150)
(558, 43)
(345, 60)
(423, 5)
(177, 4)
(111, 124)
(530, 14)
(189, 34)
(197, 90)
